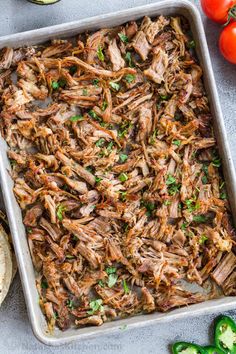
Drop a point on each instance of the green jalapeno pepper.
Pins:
(225, 335)
(213, 350)
(187, 348)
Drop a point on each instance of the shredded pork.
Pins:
(116, 171)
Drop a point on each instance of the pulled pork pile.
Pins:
(116, 172)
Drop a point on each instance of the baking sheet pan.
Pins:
(39, 326)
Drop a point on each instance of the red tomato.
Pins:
(218, 10)
(227, 42)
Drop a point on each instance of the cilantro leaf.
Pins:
(104, 105)
(170, 180)
(98, 179)
(128, 58)
(77, 118)
(100, 54)
(94, 115)
(114, 85)
(123, 157)
(60, 211)
(55, 85)
(112, 279)
(200, 218)
(176, 142)
(110, 145)
(95, 305)
(129, 78)
(95, 82)
(123, 37)
(164, 97)
(123, 177)
(203, 239)
(111, 270)
(191, 44)
(70, 304)
(204, 180)
(100, 142)
(125, 287)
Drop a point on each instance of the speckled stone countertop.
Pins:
(15, 332)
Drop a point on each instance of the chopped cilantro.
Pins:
(123, 37)
(109, 146)
(62, 82)
(70, 304)
(104, 105)
(55, 85)
(95, 305)
(164, 97)
(170, 180)
(191, 44)
(114, 85)
(111, 270)
(100, 142)
(85, 92)
(176, 142)
(216, 162)
(184, 226)
(204, 180)
(123, 196)
(100, 54)
(60, 210)
(123, 177)
(77, 118)
(174, 188)
(199, 218)
(222, 185)
(125, 287)
(112, 279)
(205, 169)
(98, 179)
(95, 82)
(129, 78)
(191, 204)
(128, 58)
(100, 282)
(167, 202)
(70, 256)
(153, 137)
(223, 196)
(124, 129)
(149, 207)
(123, 157)
(94, 115)
(203, 239)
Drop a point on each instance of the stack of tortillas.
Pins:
(7, 261)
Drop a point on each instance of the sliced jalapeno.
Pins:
(225, 335)
(213, 350)
(187, 348)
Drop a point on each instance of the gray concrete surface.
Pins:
(15, 333)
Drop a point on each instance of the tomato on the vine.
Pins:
(227, 42)
(219, 10)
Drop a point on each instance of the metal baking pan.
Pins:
(168, 7)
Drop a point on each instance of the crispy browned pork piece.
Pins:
(116, 172)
